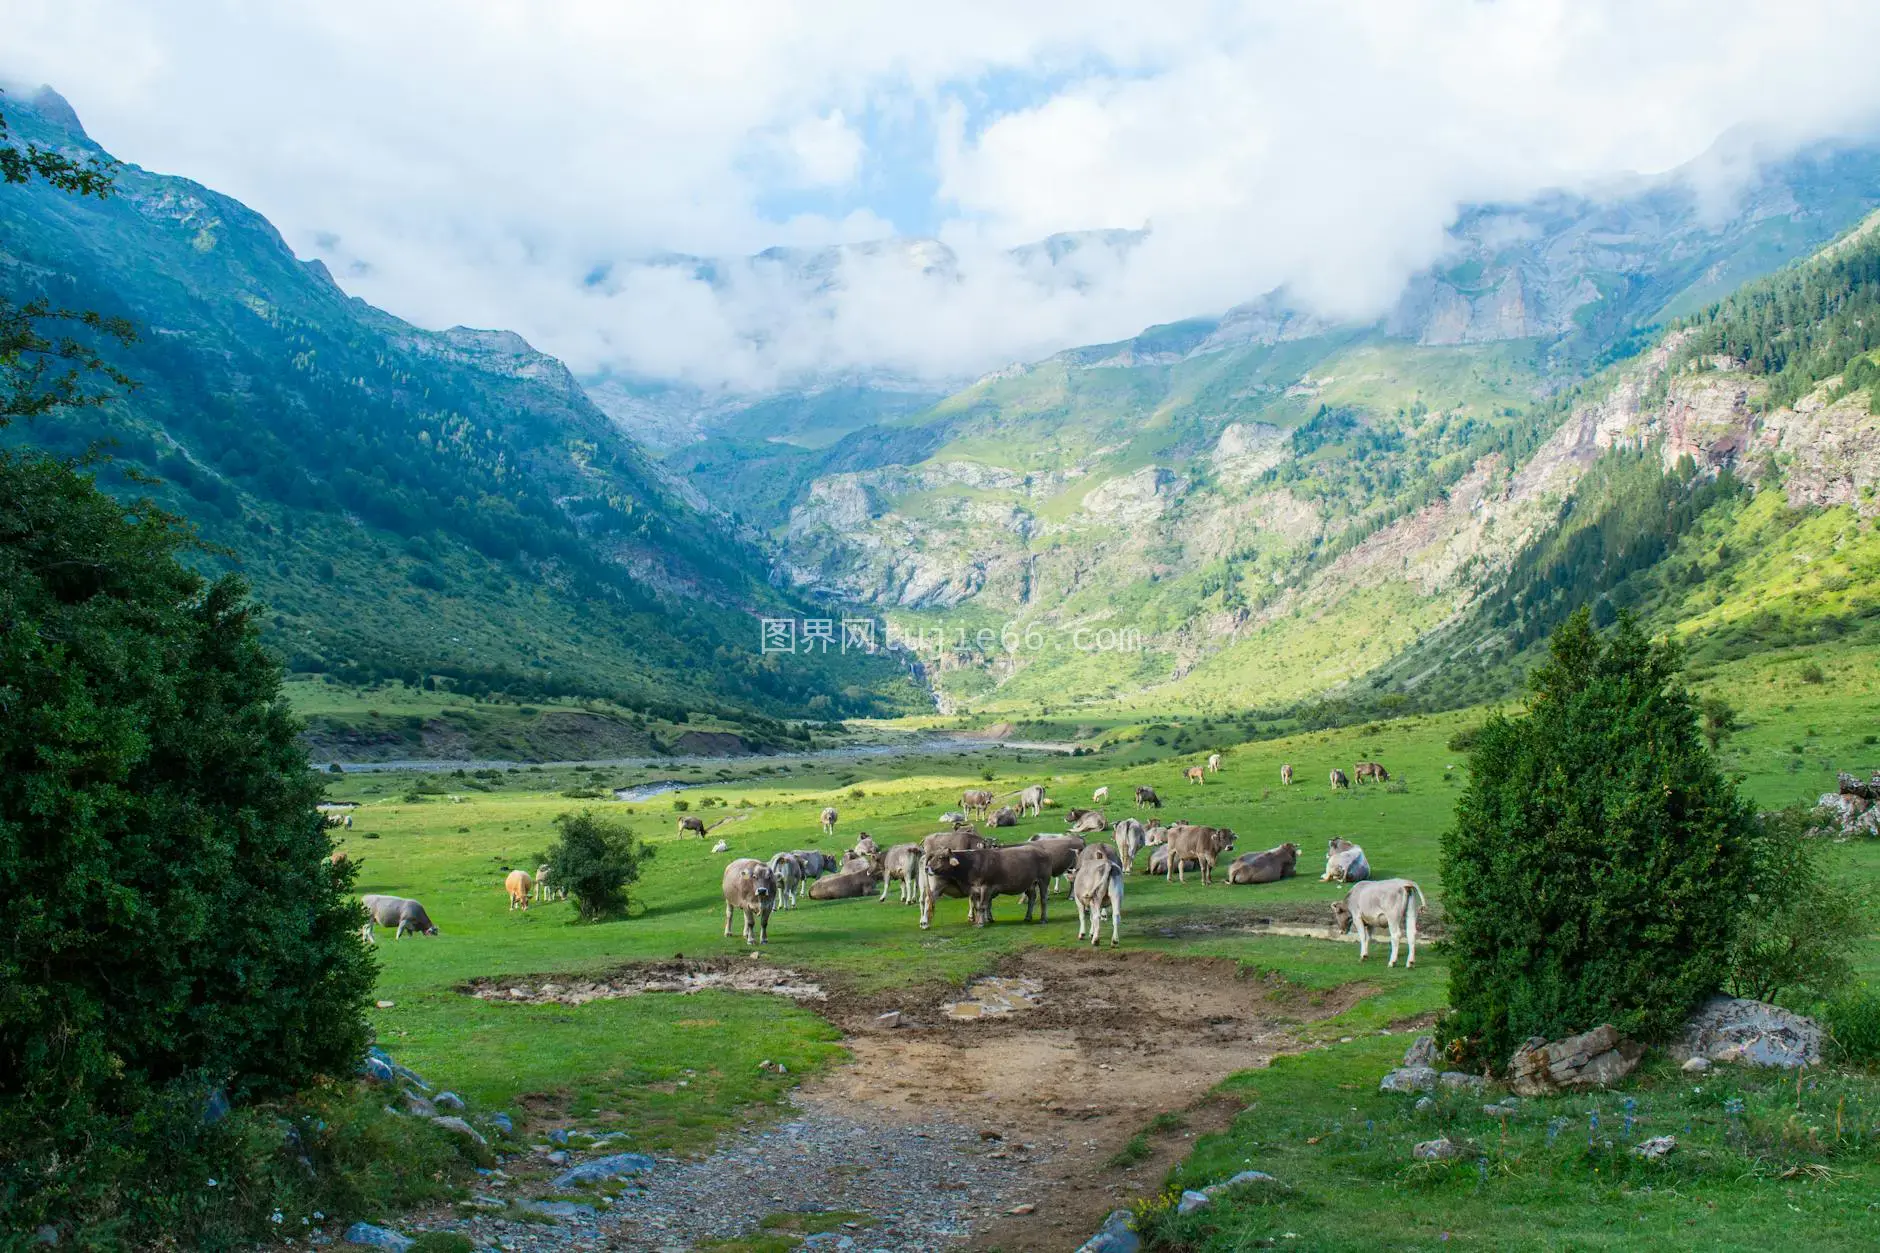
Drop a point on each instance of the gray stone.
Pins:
(47, 1234)
(410, 1076)
(419, 1105)
(1592, 1059)
(558, 1136)
(1696, 1065)
(503, 1123)
(602, 1169)
(377, 1237)
(1498, 1111)
(1245, 1176)
(1751, 1033)
(1115, 1236)
(1457, 1079)
(1422, 1051)
(1409, 1079)
(890, 1019)
(1425, 1104)
(1438, 1150)
(377, 1069)
(450, 1101)
(1655, 1148)
(1192, 1201)
(558, 1157)
(563, 1210)
(450, 1122)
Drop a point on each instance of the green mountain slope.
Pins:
(407, 503)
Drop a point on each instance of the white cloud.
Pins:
(476, 163)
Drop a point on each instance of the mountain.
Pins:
(437, 506)
(1279, 506)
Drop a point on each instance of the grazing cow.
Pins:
(1338, 779)
(1203, 844)
(338, 857)
(518, 885)
(1370, 772)
(1097, 884)
(692, 822)
(1130, 837)
(1344, 863)
(829, 820)
(841, 887)
(1030, 800)
(1089, 821)
(1100, 795)
(1006, 817)
(748, 887)
(1195, 774)
(1147, 796)
(1158, 861)
(787, 877)
(401, 913)
(932, 889)
(1214, 763)
(986, 873)
(1390, 902)
(1063, 851)
(1268, 867)
(815, 862)
(901, 864)
(349, 822)
(1285, 774)
(977, 802)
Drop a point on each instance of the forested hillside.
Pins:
(446, 508)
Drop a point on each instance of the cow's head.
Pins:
(1339, 845)
(1341, 917)
(1223, 840)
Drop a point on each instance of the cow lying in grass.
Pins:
(1268, 867)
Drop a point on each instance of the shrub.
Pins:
(1811, 673)
(1798, 924)
(1464, 740)
(1599, 861)
(1719, 720)
(1853, 1023)
(681, 805)
(597, 859)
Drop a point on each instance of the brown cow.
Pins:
(1338, 779)
(1204, 844)
(1147, 796)
(932, 889)
(829, 820)
(901, 863)
(1097, 883)
(1158, 861)
(1195, 774)
(518, 885)
(1268, 867)
(747, 887)
(986, 873)
(977, 802)
(1285, 774)
(1091, 820)
(1370, 772)
(838, 887)
(865, 847)
(1006, 817)
(1130, 837)
(1063, 850)
(692, 822)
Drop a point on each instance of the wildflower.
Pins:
(212, 1183)
(276, 1218)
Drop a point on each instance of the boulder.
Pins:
(1245, 1176)
(1751, 1033)
(1422, 1052)
(214, 1107)
(456, 1125)
(1655, 1148)
(450, 1101)
(419, 1105)
(503, 1123)
(1409, 1079)
(601, 1169)
(1115, 1236)
(1696, 1066)
(377, 1237)
(1192, 1201)
(1439, 1150)
(1592, 1059)
(377, 1069)
(1459, 1079)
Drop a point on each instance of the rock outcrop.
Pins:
(1753, 1033)
(1592, 1059)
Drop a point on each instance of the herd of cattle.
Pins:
(961, 862)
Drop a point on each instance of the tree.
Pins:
(1798, 924)
(597, 859)
(1719, 720)
(1599, 862)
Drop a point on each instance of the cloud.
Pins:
(482, 163)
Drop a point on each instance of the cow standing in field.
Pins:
(1214, 763)
(1338, 779)
(1268, 867)
(829, 820)
(902, 864)
(544, 890)
(815, 862)
(1392, 903)
(748, 887)
(1147, 796)
(1344, 863)
(401, 913)
(518, 885)
(932, 888)
(987, 873)
(1097, 884)
(1031, 800)
(1370, 772)
(787, 877)
(693, 823)
(1285, 774)
(977, 802)
(1130, 837)
(1195, 774)
(1204, 844)
(1063, 851)
(1100, 795)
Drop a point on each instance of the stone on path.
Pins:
(601, 1169)
(377, 1237)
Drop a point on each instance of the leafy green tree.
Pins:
(1799, 924)
(1599, 863)
(597, 859)
(1719, 720)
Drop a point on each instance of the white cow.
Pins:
(1344, 863)
(1130, 836)
(829, 820)
(1097, 883)
(1101, 794)
(1390, 902)
(787, 877)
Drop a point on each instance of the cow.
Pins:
(1195, 774)
(865, 847)
(977, 802)
(1147, 796)
(1268, 867)
(1100, 795)
(787, 877)
(841, 887)
(1156, 833)
(1006, 817)
(856, 863)
(722, 846)
(815, 862)
(365, 933)
(1370, 772)
(338, 857)
(1214, 763)
(932, 889)
(1344, 863)
(1030, 800)
(829, 820)
(1089, 821)
(399, 912)
(1338, 779)
(692, 822)
(1158, 861)
(987, 873)
(749, 887)
(1130, 837)
(544, 890)
(1098, 883)
(1390, 902)
(1203, 844)
(901, 864)
(1063, 851)
(518, 885)
(1285, 774)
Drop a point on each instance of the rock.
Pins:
(1115, 1236)
(1026, 1208)
(558, 1157)
(1696, 1065)
(602, 1169)
(1752, 1033)
(48, 1235)
(1425, 1104)
(214, 1107)
(450, 1101)
(1192, 1201)
(502, 1122)
(558, 1136)
(1245, 1176)
(385, 1004)
(377, 1069)
(559, 1209)
(1457, 1079)
(1498, 1111)
(1438, 1150)
(987, 1133)
(452, 1123)
(721, 847)
(890, 1019)
(410, 1076)
(1409, 1079)
(421, 1106)
(1422, 1051)
(1655, 1148)
(1592, 1059)
(377, 1237)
